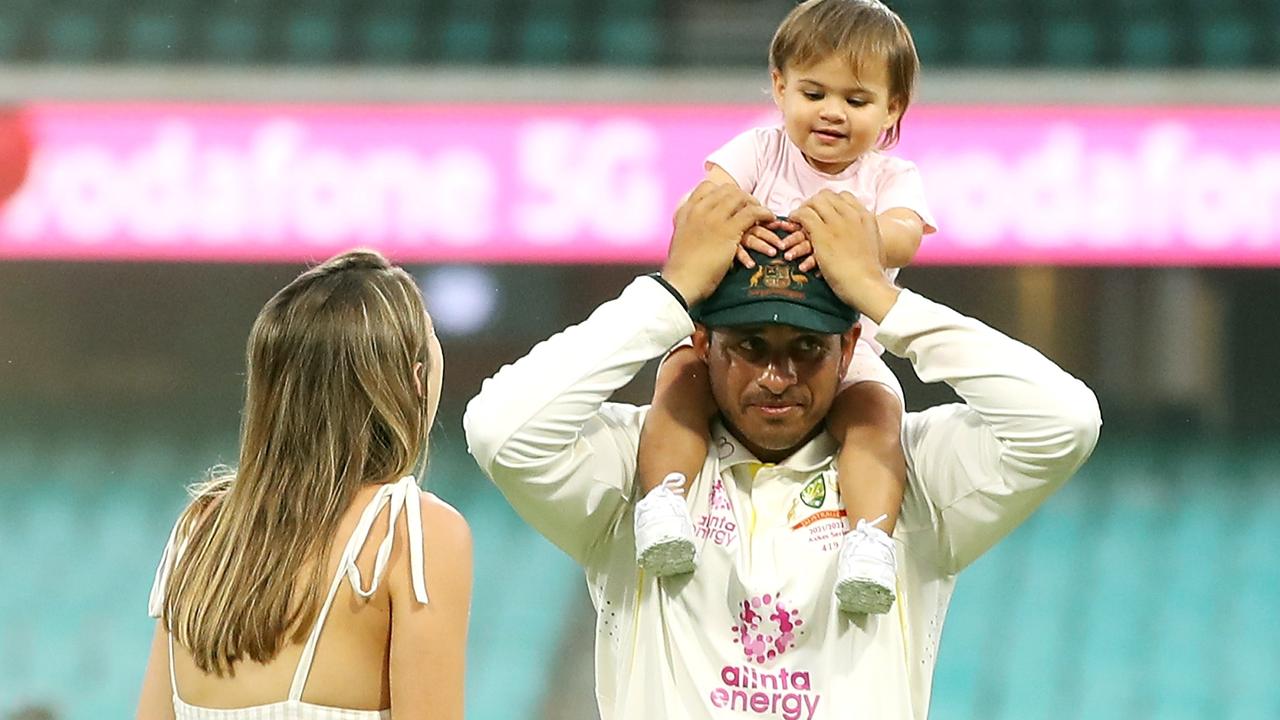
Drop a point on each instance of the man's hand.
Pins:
(708, 227)
(846, 244)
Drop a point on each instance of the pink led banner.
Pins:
(508, 183)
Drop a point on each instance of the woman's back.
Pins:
(352, 666)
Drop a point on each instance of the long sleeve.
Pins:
(1025, 426)
(543, 430)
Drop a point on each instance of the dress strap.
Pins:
(159, 586)
(402, 495)
(173, 676)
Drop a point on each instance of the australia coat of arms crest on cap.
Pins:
(777, 278)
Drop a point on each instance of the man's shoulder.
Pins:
(918, 424)
(621, 422)
(622, 415)
(919, 524)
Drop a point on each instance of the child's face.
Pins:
(833, 113)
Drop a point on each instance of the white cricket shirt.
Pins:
(755, 632)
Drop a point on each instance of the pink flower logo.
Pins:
(766, 628)
(719, 499)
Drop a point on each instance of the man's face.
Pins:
(774, 383)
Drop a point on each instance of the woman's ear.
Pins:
(417, 379)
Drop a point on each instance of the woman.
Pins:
(296, 586)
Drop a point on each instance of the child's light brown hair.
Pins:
(858, 30)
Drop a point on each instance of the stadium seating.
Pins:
(1138, 591)
(549, 34)
(1143, 589)
(631, 32)
(1068, 42)
(472, 31)
(965, 33)
(1227, 41)
(18, 19)
(314, 32)
(392, 33)
(993, 40)
(157, 31)
(232, 33)
(77, 33)
(83, 519)
(1150, 42)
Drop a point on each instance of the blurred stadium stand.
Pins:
(1123, 597)
(82, 516)
(638, 33)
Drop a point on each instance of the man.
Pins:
(755, 631)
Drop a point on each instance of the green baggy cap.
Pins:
(775, 292)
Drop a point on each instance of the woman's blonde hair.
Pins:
(856, 31)
(331, 404)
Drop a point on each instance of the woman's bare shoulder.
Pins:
(446, 546)
(442, 520)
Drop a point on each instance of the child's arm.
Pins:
(719, 175)
(901, 231)
(906, 217)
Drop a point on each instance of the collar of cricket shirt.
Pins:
(813, 456)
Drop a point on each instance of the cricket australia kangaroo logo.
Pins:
(815, 493)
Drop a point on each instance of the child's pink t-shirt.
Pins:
(765, 163)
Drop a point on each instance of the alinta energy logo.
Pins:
(767, 628)
(717, 524)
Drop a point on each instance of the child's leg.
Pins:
(676, 430)
(867, 420)
(672, 449)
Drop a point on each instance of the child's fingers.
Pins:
(798, 250)
(757, 243)
(745, 258)
(809, 263)
(768, 236)
(792, 240)
(784, 225)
